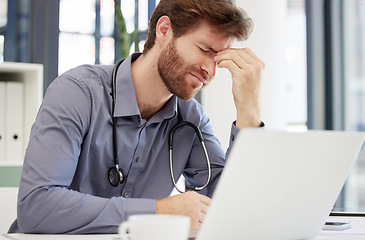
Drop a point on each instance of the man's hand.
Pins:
(246, 69)
(191, 204)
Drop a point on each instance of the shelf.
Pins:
(11, 164)
(21, 93)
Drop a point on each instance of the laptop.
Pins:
(280, 185)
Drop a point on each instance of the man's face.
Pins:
(173, 70)
(187, 63)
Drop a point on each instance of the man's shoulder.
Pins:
(89, 71)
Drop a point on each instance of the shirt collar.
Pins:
(168, 111)
(126, 101)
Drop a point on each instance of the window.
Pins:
(336, 80)
(295, 57)
(354, 94)
(3, 21)
(86, 33)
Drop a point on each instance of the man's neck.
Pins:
(151, 92)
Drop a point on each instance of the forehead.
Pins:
(211, 36)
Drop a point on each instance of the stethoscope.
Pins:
(117, 175)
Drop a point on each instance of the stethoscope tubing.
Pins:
(117, 175)
(114, 96)
(201, 139)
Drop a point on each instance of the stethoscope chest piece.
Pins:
(116, 176)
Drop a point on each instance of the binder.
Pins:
(2, 121)
(14, 121)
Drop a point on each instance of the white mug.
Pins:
(155, 227)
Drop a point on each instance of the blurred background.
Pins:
(314, 52)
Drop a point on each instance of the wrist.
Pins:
(258, 124)
(247, 120)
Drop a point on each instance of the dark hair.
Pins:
(185, 15)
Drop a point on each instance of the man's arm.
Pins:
(247, 70)
(46, 204)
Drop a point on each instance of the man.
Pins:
(65, 187)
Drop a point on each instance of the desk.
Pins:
(116, 237)
(357, 231)
(20, 236)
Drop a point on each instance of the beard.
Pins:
(174, 71)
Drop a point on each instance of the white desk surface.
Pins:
(357, 231)
(116, 237)
(19, 236)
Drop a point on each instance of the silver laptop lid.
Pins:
(280, 185)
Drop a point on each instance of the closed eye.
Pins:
(204, 51)
(208, 51)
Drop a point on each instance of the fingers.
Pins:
(240, 56)
(205, 203)
(190, 204)
(238, 59)
(199, 208)
(247, 70)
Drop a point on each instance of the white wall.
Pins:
(268, 41)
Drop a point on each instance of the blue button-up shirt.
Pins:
(64, 186)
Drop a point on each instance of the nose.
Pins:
(209, 66)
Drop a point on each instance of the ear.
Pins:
(163, 30)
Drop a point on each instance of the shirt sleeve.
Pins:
(45, 202)
(233, 135)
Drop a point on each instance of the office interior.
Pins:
(314, 51)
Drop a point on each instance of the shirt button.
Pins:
(137, 160)
(232, 138)
(126, 195)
